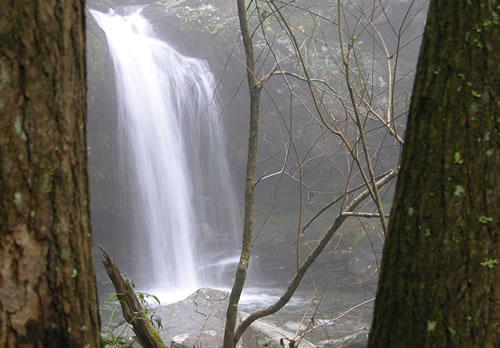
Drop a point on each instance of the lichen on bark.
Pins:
(43, 179)
(434, 289)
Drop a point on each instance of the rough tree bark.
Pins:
(47, 284)
(440, 279)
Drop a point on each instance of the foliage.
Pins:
(220, 23)
(112, 304)
(107, 335)
(143, 299)
(207, 19)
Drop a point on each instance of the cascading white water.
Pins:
(173, 157)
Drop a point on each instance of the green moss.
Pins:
(490, 264)
(485, 219)
(476, 94)
(458, 158)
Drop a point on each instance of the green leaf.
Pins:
(106, 341)
(156, 299)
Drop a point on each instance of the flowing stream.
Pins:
(172, 161)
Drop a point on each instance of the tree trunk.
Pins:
(440, 281)
(47, 284)
(253, 136)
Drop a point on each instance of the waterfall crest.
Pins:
(172, 158)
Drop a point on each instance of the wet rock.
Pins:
(207, 338)
(293, 326)
(357, 340)
(263, 333)
(199, 320)
(196, 321)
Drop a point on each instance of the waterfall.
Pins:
(173, 160)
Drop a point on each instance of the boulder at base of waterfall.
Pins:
(263, 333)
(357, 340)
(198, 321)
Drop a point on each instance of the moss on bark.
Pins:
(440, 285)
(47, 285)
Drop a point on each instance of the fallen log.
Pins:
(133, 313)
